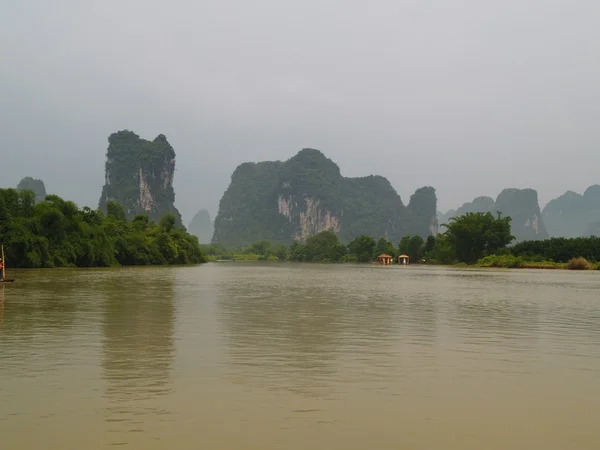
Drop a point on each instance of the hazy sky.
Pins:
(467, 96)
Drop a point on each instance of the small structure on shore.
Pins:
(403, 260)
(385, 259)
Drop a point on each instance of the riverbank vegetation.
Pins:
(475, 239)
(56, 233)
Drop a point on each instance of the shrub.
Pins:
(505, 261)
(579, 264)
(349, 258)
(517, 262)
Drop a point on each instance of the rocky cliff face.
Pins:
(573, 214)
(295, 199)
(201, 226)
(139, 175)
(34, 185)
(523, 207)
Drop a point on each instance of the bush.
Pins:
(579, 264)
(246, 257)
(504, 261)
(517, 262)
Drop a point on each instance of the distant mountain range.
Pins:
(294, 199)
(570, 215)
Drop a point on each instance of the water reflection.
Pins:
(39, 299)
(2, 290)
(138, 345)
(287, 328)
(40, 309)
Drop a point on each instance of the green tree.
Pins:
(56, 233)
(114, 209)
(416, 247)
(404, 246)
(362, 248)
(262, 248)
(475, 235)
(324, 246)
(429, 244)
(413, 246)
(384, 246)
(443, 251)
(168, 222)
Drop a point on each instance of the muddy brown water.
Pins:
(300, 356)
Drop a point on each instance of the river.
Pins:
(229, 356)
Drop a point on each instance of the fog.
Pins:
(467, 96)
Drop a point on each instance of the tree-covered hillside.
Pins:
(305, 195)
(139, 175)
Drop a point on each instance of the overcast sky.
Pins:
(467, 96)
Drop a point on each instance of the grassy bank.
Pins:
(492, 261)
(242, 257)
(518, 262)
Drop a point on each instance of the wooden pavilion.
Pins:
(403, 260)
(385, 259)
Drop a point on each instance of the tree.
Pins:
(324, 246)
(262, 248)
(416, 247)
(475, 235)
(404, 246)
(443, 251)
(114, 209)
(168, 222)
(413, 246)
(362, 247)
(56, 233)
(429, 246)
(384, 246)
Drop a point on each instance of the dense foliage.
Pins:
(139, 175)
(476, 235)
(56, 233)
(326, 247)
(559, 249)
(282, 201)
(472, 238)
